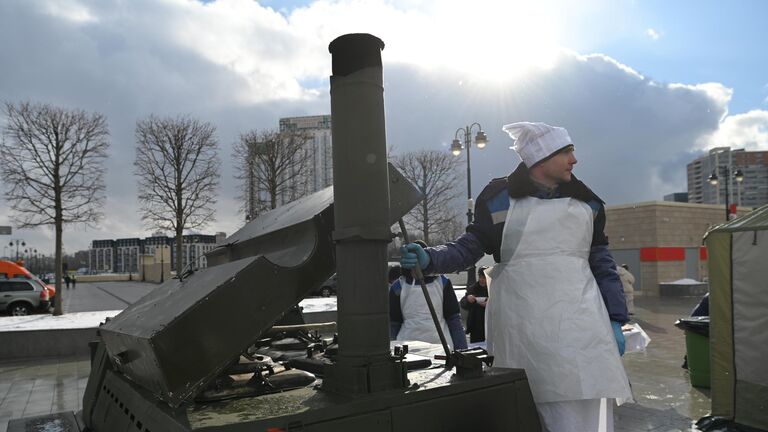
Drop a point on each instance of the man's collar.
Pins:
(543, 190)
(520, 185)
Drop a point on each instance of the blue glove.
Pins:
(412, 253)
(619, 336)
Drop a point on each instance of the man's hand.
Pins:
(470, 298)
(619, 336)
(411, 254)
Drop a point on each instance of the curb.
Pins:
(22, 344)
(46, 343)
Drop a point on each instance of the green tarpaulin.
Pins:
(738, 284)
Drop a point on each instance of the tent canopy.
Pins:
(738, 284)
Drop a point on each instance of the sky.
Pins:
(643, 87)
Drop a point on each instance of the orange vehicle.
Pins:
(16, 270)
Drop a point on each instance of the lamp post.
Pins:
(162, 262)
(17, 243)
(456, 146)
(728, 171)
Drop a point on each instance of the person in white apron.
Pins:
(409, 316)
(556, 303)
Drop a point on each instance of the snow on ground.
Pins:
(685, 281)
(74, 320)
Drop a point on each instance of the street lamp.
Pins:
(456, 146)
(728, 171)
(17, 244)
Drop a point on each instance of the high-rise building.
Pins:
(319, 166)
(320, 174)
(752, 191)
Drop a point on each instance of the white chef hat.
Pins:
(535, 142)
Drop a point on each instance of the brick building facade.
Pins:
(661, 241)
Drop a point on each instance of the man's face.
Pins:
(481, 280)
(557, 169)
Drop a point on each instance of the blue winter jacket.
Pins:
(484, 235)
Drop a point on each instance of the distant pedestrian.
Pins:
(628, 281)
(409, 315)
(67, 279)
(474, 302)
(73, 279)
(394, 273)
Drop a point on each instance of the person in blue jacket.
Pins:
(409, 316)
(556, 302)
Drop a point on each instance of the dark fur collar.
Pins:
(519, 185)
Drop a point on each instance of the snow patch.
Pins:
(74, 320)
(78, 320)
(685, 281)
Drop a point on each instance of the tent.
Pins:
(738, 286)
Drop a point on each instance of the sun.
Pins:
(494, 40)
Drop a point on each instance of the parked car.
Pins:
(327, 289)
(22, 296)
(12, 270)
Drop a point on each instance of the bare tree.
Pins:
(271, 164)
(434, 174)
(53, 169)
(177, 165)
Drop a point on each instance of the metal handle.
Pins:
(419, 276)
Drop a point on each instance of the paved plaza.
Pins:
(665, 401)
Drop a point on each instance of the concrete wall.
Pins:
(156, 267)
(647, 228)
(46, 343)
(112, 277)
(74, 342)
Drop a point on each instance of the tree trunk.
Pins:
(58, 308)
(179, 221)
(179, 244)
(273, 197)
(425, 207)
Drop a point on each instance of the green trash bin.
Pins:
(697, 348)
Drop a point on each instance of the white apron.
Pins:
(545, 313)
(417, 321)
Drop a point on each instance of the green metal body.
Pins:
(161, 352)
(436, 400)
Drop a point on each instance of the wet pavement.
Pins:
(664, 399)
(96, 296)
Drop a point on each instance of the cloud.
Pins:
(242, 66)
(653, 34)
(748, 131)
(633, 136)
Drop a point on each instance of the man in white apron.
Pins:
(556, 302)
(409, 316)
